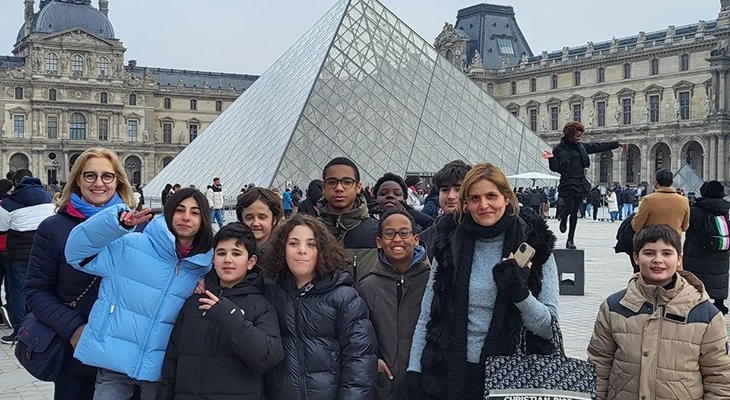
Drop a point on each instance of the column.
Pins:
(675, 159)
(723, 89)
(64, 167)
(713, 158)
(644, 162)
(721, 155)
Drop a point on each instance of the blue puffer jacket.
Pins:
(143, 289)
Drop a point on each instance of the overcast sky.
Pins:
(246, 36)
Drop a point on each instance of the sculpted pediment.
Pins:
(81, 37)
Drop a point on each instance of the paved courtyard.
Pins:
(606, 273)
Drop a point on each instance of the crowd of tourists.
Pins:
(349, 293)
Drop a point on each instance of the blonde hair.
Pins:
(491, 173)
(123, 187)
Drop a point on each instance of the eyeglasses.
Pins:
(403, 233)
(332, 183)
(106, 177)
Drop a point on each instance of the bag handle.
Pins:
(556, 341)
(75, 303)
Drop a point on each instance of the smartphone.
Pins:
(524, 255)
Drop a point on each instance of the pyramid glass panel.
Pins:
(359, 84)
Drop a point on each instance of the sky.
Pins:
(247, 36)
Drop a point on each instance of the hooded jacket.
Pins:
(330, 344)
(711, 267)
(356, 232)
(661, 344)
(394, 300)
(309, 205)
(595, 197)
(224, 352)
(214, 194)
(143, 288)
(20, 215)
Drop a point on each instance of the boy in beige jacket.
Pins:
(660, 338)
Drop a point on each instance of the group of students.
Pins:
(348, 304)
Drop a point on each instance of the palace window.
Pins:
(684, 105)
(193, 104)
(103, 129)
(51, 63)
(167, 103)
(104, 98)
(52, 95)
(103, 67)
(505, 45)
(132, 130)
(19, 125)
(193, 130)
(533, 85)
(554, 116)
(533, 119)
(77, 127)
(132, 99)
(601, 112)
(52, 127)
(18, 93)
(627, 71)
(577, 111)
(513, 86)
(554, 82)
(218, 106)
(655, 67)
(77, 65)
(601, 75)
(167, 133)
(685, 62)
(576, 78)
(654, 108)
(626, 111)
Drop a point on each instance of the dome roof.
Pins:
(60, 15)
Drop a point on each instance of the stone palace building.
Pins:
(66, 88)
(665, 93)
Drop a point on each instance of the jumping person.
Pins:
(570, 159)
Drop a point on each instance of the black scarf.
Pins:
(444, 357)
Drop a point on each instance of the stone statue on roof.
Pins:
(614, 42)
(566, 51)
(180, 82)
(525, 59)
(671, 31)
(724, 5)
(545, 55)
(590, 47)
(505, 62)
(642, 37)
(476, 61)
(702, 26)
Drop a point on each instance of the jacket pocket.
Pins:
(621, 381)
(680, 390)
(105, 323)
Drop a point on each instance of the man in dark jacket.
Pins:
(448, 181)
(345, 212)
(391, 193)
(224, 352)
(709, 264)
(595, 199)
(308, 206)
(534, 200)
(20, 215)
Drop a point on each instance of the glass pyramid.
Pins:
(361, 84)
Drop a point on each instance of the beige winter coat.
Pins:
(655, 344)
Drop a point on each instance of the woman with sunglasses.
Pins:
(57, 294)
(146, 278)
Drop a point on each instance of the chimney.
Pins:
(104, 7)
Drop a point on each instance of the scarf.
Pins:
(444, 357)
(88, 210)
(339, 225)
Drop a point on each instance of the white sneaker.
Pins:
(6, 317)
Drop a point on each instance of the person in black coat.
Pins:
(165, 194)
(391, 193)
(329, 341)
(595, 199)
(308, 206)
(710, 266)
(570, 159)
(225, 340)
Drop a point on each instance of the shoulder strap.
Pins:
(75, 303)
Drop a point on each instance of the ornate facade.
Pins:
(66, 88)
(664, 93)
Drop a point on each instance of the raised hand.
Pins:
(547, 154)
(624, 146)
(208, 302)
(134, 218)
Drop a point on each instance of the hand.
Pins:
(134, 218)
(547, 154)
(383, 368)
(624, 146)
(511, 280)
(77, 335)
(208, 302)
(200, 287)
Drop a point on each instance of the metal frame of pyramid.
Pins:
(688, 180)
(361, 84)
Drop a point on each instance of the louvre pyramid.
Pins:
(361, 84)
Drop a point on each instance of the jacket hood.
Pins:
(314, 191)
(714, 206)
(30, 192)
(385, 269)
(252, 283)
(348, 220)
(164, 241)
(688, 292)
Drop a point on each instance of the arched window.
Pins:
(576, 78)
(103, 67)
(77, 127)
(659, 163)
(533, 85)
(52, 95)
(77, 65)
(554, 82)
(685, 62)
(490, 89)
(104, 97)
(132, 99)
(655, 66)
(51, 63)
(167, 103)
(166, 161)
(218, 106)
(18, 93)
(193, 104)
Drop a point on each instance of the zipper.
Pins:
(660, 309)
(155, 318)
(399, 289)
(177, 267)
(300, 351)
(354, 266)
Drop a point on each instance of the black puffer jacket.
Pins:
(329, 341)
(224, 354)
(570, 160)
(710, 266)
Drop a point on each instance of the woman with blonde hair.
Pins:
(57, 294)
(478, 298)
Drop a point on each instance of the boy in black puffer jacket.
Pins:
(226, 339)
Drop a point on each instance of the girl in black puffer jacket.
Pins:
(328, 338)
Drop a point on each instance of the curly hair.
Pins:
(331, 256)
(572, 128)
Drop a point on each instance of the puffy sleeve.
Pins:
(359, 351)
